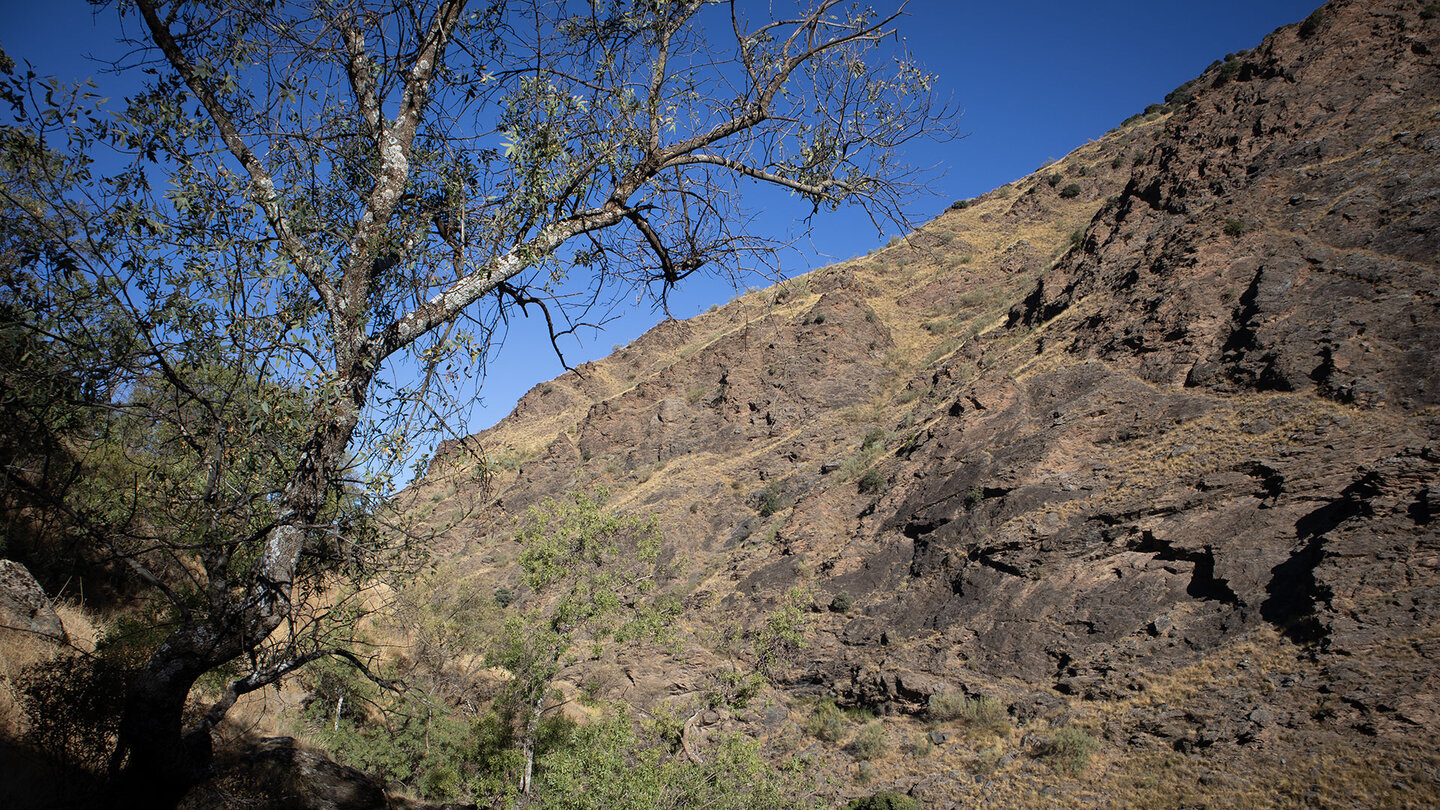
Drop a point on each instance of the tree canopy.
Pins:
(314, 216)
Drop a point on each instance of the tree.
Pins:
(330, 209)
(586, 569)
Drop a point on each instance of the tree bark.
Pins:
(160, 761)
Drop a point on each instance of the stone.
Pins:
(1261, 716)
(24, 607)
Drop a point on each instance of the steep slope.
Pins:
(1143, 444)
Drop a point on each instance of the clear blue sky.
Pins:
(1034, 79)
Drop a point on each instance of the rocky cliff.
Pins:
(1145, 444)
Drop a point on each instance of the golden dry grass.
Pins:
(19, 650)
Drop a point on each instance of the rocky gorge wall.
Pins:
(1158, 458)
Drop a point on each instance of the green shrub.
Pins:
(1054, 179)
(429, 748)
(1234, 227)
(730, 689)
(871, 482)
(1069, 749)
(872, 742)
(772, 499)
(1117, 162)
(855, 466)
(504, 596)
(1312, 23)
(1077, 238)
(874, 437)
(609, 764)
(884, 800)
(1072, 190)
(959, 205)
(827, 722)
(1228, 69)
(974, 497)
(841, 603)
(784, 629)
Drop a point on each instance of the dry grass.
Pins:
(19, 650)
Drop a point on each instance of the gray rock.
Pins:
(23, 604)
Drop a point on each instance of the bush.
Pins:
(872, 481)
(1054, 179)
(432, 749)
(1228, 69)
(841, 603)
(772, 499)
(1117, 162)
(872, 742)
(1430, 12)
(1069, 749)
(731, 690)
(1072, 190)
(827, 722)
(959, 205)
(982, 711)
(874, 437)
(609, 764)
(1234, 227)
(1312, 23)
(884, 800)
(784, 630)
(73, 704)
(504, 596)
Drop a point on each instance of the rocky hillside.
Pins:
(1143, 448)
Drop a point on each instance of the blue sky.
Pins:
(1034, 80)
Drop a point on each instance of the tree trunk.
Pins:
(160, 761)
(156, 760)
(527, 744)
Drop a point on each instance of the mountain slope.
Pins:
(1143, 444)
